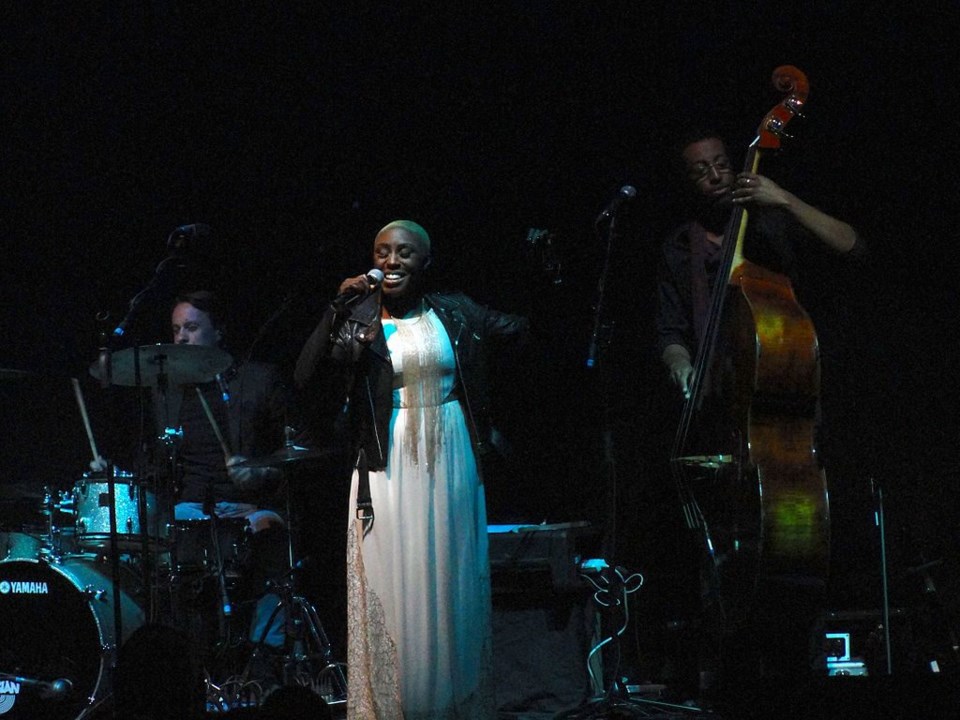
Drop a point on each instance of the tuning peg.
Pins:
(793, 104)
(775, 126)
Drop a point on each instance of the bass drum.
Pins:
(57, 623)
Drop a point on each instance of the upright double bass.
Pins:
(748, 428)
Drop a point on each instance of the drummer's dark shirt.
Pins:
(252, 424)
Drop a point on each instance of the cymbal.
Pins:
(14, 374)
(20, 491)
(289, 454)
(181, 364)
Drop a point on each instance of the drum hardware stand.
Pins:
(226, 607)
(114, 554)
(49, 550)
(305, 640)
(209, 509)
(111, 491)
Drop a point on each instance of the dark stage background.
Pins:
(296, 132)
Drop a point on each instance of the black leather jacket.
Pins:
(350, 348)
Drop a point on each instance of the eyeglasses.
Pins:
(702, 169)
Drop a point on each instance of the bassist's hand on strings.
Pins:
(680, 367)
(752, 189)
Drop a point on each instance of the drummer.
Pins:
(248, 402)
(241, 416)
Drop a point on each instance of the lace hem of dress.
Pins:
(373, 678)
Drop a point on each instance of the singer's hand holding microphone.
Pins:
(357, 288)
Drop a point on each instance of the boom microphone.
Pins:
(627, 192)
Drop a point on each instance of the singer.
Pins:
(413, 365)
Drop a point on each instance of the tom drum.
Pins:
(92, 503)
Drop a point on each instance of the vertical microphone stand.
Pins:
(880, 521)
(599, 341)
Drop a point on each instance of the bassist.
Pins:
(752, 628)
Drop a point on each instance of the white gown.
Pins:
(419, 630)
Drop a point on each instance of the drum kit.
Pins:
(97, 561)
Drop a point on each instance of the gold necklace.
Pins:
(410, 320)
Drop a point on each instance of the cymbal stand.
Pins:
(225, 609)
(306, 644)
(105, 378)
(209, 509)
(114, 553)
(307, 653)
(150, 554)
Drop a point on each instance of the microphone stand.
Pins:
(884, 579)
(179, 243)
(160, 281)
(277, 314)
(599, 341)
(615, 585)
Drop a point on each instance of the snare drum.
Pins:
(58, 623)
(92, 503)
(194, 546)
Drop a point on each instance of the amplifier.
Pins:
(544, 622)
(526, 558)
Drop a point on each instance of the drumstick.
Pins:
(213, 423)
(86, 419)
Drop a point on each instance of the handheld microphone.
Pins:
(627, 192)
(374, 278)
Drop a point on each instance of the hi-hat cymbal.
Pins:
(180, 364)
(288, 454)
